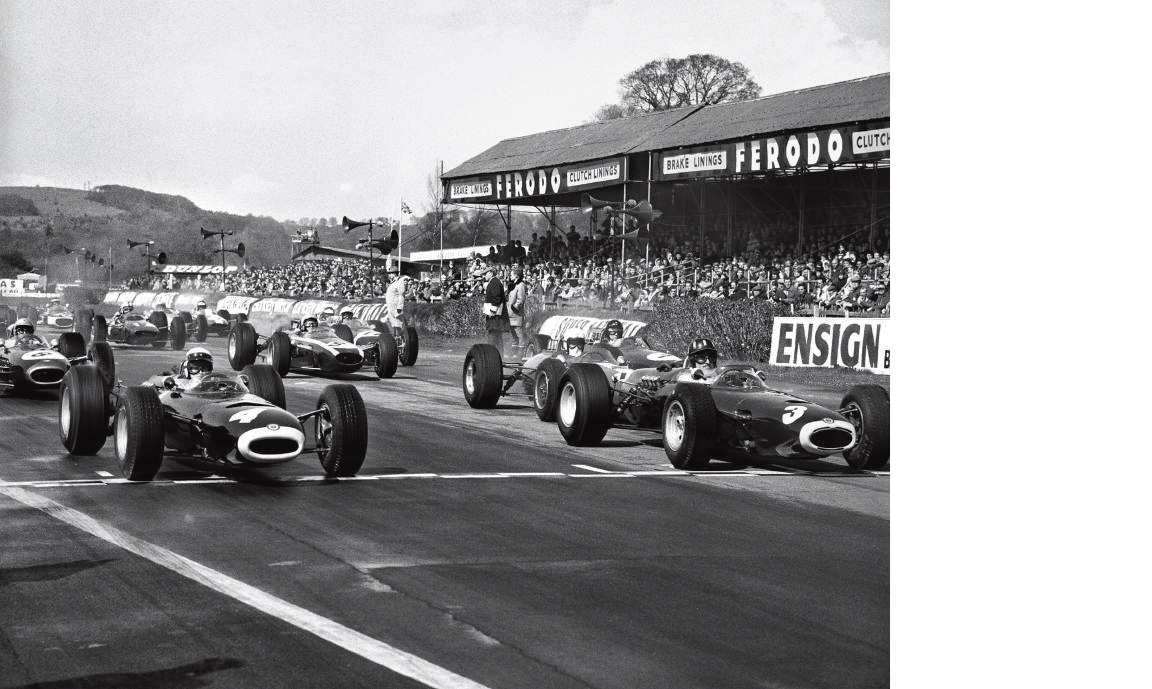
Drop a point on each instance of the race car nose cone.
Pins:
(270, 444)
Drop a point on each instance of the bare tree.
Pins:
(678, 82)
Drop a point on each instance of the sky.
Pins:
(304, 109)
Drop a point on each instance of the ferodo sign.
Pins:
(860, 343)
(783, 152)
(545, 181)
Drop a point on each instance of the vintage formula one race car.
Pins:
(318, 350)
(133, 329)
(360, 333)
(35, 363)
(56, 316)
(214, 418)
(560, 341)
(199, 325)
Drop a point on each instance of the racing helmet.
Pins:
(328, 312)
(127, 308)
(703, 353)
(310, 323)
(614, 330)
(347, 315)
(23, 326)
(198, 360)
(201, 305)
(574, 342)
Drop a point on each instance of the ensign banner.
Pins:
(860, 343)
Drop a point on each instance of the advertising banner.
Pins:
(234, 303)
(523, 185)
(860, 343)
(762, 154)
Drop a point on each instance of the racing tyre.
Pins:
(186, 317)
(99, 329)
(379, 326)
(866, 406)
(201, 328)
(71, 345)
(178, 334)
(689, 426)
(100, 354)
(158, 319)
(225, 314)
(546, 388)
(241, 346)
(411, 348)
(341, 430)
(483, 376)
(280, 352)
(387, 356)
(263, 381)
(343, 332)
(139, 433)
(82, 320)
(83, 417)
(584, 405)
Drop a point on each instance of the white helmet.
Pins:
(575, 338)
(23, 326)
(198, 360)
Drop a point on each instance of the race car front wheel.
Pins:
(411, 348)
(139, 433)
(280, 352)
(99, 329)
(386, 356)
(177, 334)
(546, 388)
(241, 346)
(201, 322)
(341, 430)
(483, 376)
(71, 344)
(100, 354)
(584, 409)
(689, 426)
(83, 417)
(866, 407)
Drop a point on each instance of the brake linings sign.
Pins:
(767, 153)
(860, 343)
(506, 186)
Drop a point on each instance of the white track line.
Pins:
(374, 650)
(105, 474)
(598, 470)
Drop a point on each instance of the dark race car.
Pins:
(134, 329)
(317, 351)
(200, 324)
(35, 363)
(731, 410)
(487, 377)
(57, 316)
(214, 418)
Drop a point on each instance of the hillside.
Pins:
(106, 217)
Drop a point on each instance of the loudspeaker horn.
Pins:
(240, 249)
(643, 211)
(133, 245)
(205, 233)
(589, 203)
(162, 258)
(350, 224)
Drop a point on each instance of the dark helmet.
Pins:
(198, 360)
(703, 351)
(346, 315)
(310, 322)
(614, 330)
(23, 326)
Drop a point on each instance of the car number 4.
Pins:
(792, 412)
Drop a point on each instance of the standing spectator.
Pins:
(517, 301)
(395, 303)
(495, 313)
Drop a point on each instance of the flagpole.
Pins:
(400, 242)
(441, 214)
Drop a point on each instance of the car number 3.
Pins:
(792, 412)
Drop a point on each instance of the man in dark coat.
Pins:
(495, 313)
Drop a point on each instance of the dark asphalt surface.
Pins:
(585, 567)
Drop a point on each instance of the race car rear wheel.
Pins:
(178, 334)
(83, 416)
(185, 316)
(100, 354)
(71, 344)
(483, 376)
(82, 320)
(584, 407)
(386, 356)
(343, 332)
(263, 381)
(139, 433)
(341, 430)
(241, 346)
(99, 329)
(546, 388)
(158, 319)
(689, 426)
(867, 406)
(201, 328)
(280, 352)
(411, 348)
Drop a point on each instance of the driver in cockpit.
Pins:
(308, 325)
(613, 333)
(701, 361)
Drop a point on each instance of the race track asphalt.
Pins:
(474, 549)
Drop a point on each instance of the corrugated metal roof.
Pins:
(838, 103)
(572, 145)
(846, 101)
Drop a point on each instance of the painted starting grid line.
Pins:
(749, 473)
